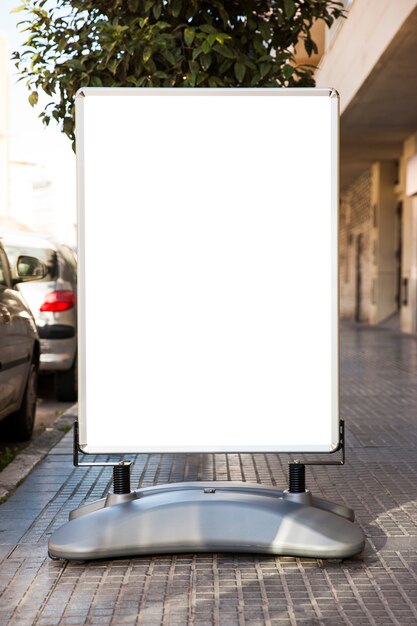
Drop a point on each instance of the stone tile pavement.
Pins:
(379, 587)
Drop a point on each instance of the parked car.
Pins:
(19, 347)
(53, 301)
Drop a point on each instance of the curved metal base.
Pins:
(208, 517)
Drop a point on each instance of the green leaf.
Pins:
(211, 39)
(288, 71)
(191, 79)
(95, 81)
(227, 63)
(147, 53)
(68, 125)
(33, 98)
(176, 8)
(194, 67)
(157, 9)
(133, 5)
(289, 8)
(62, 44)
(308, 45)
(208, 28)
(222, 37)
(48, 87)
(160, 74)
(75, 64)
(240, 71)
(142, 21)
(224, 51)
(112, 66)
(264, 69)
(21, 7)
(205, 61)
(206, 45)
(167, 54)
(224, 16)
(189, 34)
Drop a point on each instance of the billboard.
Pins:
(208, 295)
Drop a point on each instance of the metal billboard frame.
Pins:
(85, 446)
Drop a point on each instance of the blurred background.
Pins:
(37, 197)
(369, 57)
(37, 164)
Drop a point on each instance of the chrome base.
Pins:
(208, 517)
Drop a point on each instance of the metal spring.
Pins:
(121, 478)
(297, 478)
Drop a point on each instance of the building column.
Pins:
(409, 308)
(384, 242)
(409, 253)
(354, 249)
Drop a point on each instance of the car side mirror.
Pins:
(29, 268)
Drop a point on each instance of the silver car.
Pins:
(19, 348)
(53, 301)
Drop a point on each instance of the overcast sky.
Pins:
(29, 139)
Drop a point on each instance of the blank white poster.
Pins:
(208, 295)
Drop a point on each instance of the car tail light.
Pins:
(59, 300)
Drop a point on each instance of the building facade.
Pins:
(370, 58)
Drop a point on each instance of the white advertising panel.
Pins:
(208, 296)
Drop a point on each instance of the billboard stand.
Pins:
(227, 243)
(207, 516)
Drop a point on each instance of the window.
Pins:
(46, 255)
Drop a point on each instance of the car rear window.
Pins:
(48, 256)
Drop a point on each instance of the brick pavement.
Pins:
(379, 404)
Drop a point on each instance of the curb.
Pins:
(16, 472)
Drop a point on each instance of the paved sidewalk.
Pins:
(30, 455)
(379, 396)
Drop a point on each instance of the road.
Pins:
(48, 409)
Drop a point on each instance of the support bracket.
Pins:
(77, 451)
(340, 448)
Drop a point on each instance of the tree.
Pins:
(163, 43)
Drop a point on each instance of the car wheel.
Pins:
(66, 384)
(22, 421)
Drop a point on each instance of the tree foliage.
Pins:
(163, 43)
